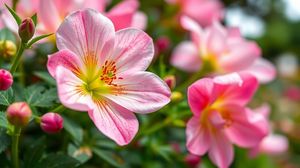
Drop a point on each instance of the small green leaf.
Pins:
(74, 130)
(45, 76)
(38, 96)
(34, 19)
(109, 157)
(3, 120)
(6, 97)
(57, 161)
(4, 139)
(34, 153)
(6, 34)
(36, 39)
(15, 15)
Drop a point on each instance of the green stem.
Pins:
(17, 58)
(59, 109)
(15, 146)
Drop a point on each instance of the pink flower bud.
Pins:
(162, 44)
(51, 123)
(26, 30)
(18, 114)
(6, 79)
(170, 81)
(192, 160)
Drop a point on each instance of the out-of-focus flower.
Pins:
(170, 81)
(293, 93)
(220, 51)
(273, 144)
(161, 45)
(123, 15)
(6, 79)
(176, 96)
(192, 160)
(7, 49)
(18, 114)
(26, 30)
(287, 65)
(51, 123)
(103, 72)
(220, 117)
(202, 11)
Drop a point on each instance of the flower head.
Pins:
(220, 51)
(19, 114)
(220, 117)
(26, 29)
(103, 72)
(51, 123)
(6, 79)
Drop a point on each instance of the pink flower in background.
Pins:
(273, 144)
(222, 51)
(123, 15)
(103, 72)
(202, 11)
(221, 119)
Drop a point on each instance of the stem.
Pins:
(15, 4)
(15, 146)
(17, 58)
(59, 109)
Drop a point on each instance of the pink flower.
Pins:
(221, 119)
(221, 51)
(103, 72)
(273, 144)
(19, 114)
(202, 11)
(6, 79)
(123, 15)
(51, 123)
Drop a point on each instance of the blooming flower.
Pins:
(221, 51)
(220, 117)
(202, 11)
(103, 72)
(273, 144)
(123, 15)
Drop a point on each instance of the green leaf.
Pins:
(109, 157)
(34, 19)
(45, 76)
(4, 139)
(6, 97)
(38, 96)
(6, 34)
(58, 161)
(14, 14)
(3, 120)
(36, 39)
(82, 154)
(74, 130)
(34, 153)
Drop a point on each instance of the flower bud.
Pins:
(162, 44)
(26, 30)
(176, 96)
(18, 114)
(51, 123)
(7, 49)
(192, 160)
(6, 79)
(170, 81)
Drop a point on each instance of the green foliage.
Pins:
(109, 156)
(6, 97)
(15, 15)
(57, 161)
(3, 120)
(46, 77)
(6, 34)
(79, 153)
(39, 96)
(34, 153)
(4, 139)
(36, 39)
(74, 130)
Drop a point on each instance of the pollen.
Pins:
(108, 74)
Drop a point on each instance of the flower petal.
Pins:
(263, 70)
(68, 90)
(142, 92)
(221, 150)
(247, 128)
(234, 89)
(200, 95)
(191, 25)
(186, 57)
(64, 58)
(198, 141)
(214, 39)
(49, 15)
(274, 144)
(133, 51)
(122, 14)
(139, 20)
(114, 121)
(86, 33)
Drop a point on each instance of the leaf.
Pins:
(58, 161)
(3, 120)
(36, 39)
(109, 157)
(34, 153)
(74, 130)
(6, 34)
(4, 139)
(38, 96)
(6, 97)
(34, 19)
(14, 14)
(45, 76)
(82, 154)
